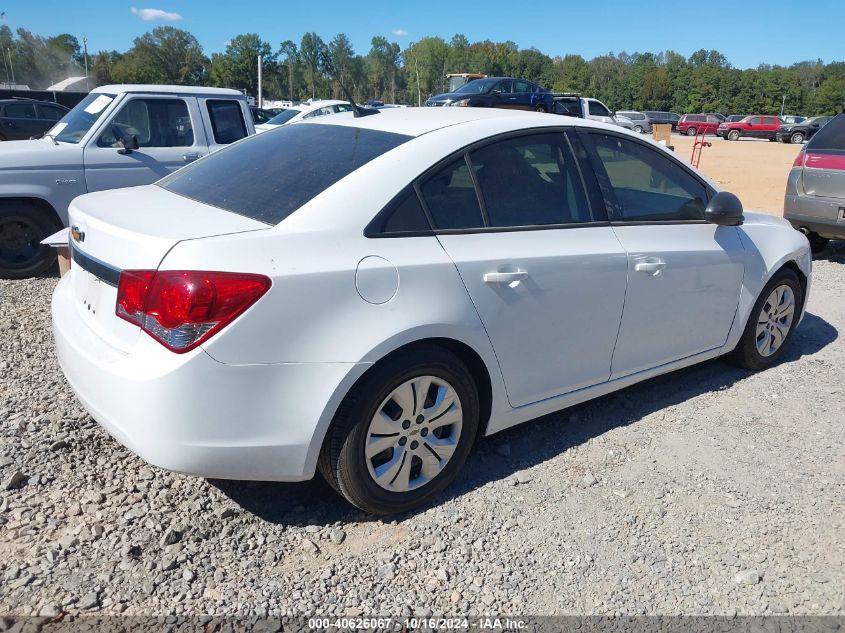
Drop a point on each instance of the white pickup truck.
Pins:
(572, 104)
(118, 136)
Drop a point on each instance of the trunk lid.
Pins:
(127, 229)
(823, 168)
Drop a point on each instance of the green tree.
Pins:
(237, 67)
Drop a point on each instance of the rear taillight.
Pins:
(183, 308)
(799, 160)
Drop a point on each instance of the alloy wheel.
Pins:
(775, 320)
(413, 434)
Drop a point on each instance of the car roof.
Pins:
(418, 121)
(117, 88)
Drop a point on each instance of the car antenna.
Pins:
(357, 111)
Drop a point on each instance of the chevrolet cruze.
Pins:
(448, 273)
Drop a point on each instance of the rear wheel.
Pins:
(403, 432)
(540, 108)
(22, 227)
(772, 322)
(638, 129)
(733, 135)
(797, 138)
(817, 242)
(691, 131)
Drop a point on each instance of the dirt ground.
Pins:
(755, 170)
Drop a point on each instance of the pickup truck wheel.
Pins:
(22, 227)
(691, 131)
(817, 242)
(733, 135)
(797, 138)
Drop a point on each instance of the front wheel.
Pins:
(771, 323)
(691, 131)
(638, 129)
(733, 135)
(22, 227)
(403, 432)
(540, 108)
(797, 138)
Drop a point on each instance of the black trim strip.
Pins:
(98, 268)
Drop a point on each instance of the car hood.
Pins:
(450, 96)
(41, 153)
(759, 218)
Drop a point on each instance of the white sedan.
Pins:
(304, 111)
(450, 273)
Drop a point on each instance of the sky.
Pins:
(748, 33)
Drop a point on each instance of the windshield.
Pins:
(283, 117)
(477, 86)
(265, 177)
(78, 121)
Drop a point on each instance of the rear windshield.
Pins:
(271, 175)
(831, 137)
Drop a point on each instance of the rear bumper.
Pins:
(193, 414)
(825, 216)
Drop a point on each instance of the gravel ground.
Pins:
(708, 491)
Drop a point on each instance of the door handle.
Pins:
(511, 278)
(190, 158)
(652, 266)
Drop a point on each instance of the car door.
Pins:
(169, 135)
(684, 274)
(754, 127)
(522, 94)
(545, 274)
(502, 95)
(769, 126)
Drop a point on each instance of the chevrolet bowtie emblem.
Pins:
(76, 234)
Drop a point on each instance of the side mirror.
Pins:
(725, 209)
(128, 144)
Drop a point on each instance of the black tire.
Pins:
(540, 108)
(691, 131)
(797, 138)
(746, 353)
(23, 225)
(638, 129)
(342, 460)
(817, 242)
(733, 135)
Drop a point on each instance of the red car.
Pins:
(691, 124)
(754, 126)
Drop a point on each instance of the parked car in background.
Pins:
(815, 190)
(260, 115)
(754, 126)
(733, 118)
(24, 118)
(572, 104)
(623, 121)
(443, 276)
(117, 136)
(661, 116)
(799, 132)
(691, 124)
(642, 123)
(305, 111)
(791, 118)
(497, 92)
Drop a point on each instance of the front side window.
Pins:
(530, 181)
(503, 86)
(227, 121)
(451, 199)
(154, 122)
(597, 109)
(270, 175)
(646, 185)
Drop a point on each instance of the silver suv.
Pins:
(815, 191)
(642, 124)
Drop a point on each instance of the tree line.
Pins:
(703, 82)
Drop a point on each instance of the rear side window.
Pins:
(271, 175)
(451, 199)
(647, 186)
(227, 121)
(831, 137)
(530, 181)
(404, 214)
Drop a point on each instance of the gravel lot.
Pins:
(710, 491)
